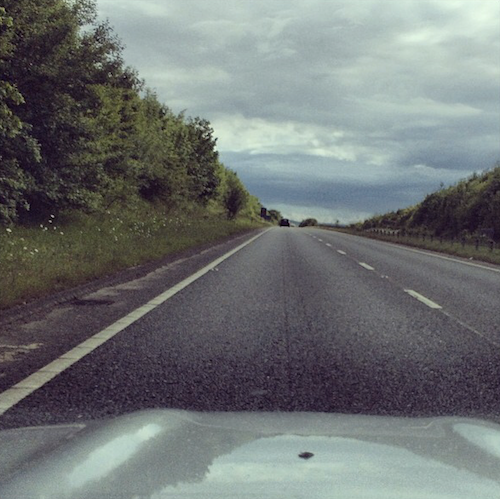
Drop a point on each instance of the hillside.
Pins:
(469, 208)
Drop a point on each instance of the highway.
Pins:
(289, 320)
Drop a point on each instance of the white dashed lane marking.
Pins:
(366, 266)
(426, 301)
(423, 299)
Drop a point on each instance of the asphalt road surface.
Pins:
(296, 320)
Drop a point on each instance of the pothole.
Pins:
(9, 353)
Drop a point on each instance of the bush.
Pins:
(308, 222)
(236, 196)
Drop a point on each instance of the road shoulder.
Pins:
(35, 333)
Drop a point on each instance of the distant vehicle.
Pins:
(284, 222)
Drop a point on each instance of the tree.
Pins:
(235, 196)
(77, 131)
(164, 148)
(203, 160)
(15, 140)
(60, 72)
(275, 216)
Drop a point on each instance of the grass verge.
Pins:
(76, 248)
(455, 248)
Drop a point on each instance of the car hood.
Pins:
(169, 453)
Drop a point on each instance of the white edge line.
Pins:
(423, 299)
(429, 253)
(433, 254)
(13, 395)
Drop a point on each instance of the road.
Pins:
(294, 320)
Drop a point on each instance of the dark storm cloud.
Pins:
(369, 103)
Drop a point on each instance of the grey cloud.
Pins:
(379, 86)
(337, 196)
(302, 182)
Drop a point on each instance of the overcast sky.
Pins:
(336, 109)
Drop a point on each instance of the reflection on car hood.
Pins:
(168, 453)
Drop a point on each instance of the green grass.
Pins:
(483, 253)
(61, 253)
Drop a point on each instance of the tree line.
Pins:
(79, 129)
(469, 208)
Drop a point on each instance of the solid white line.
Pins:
(341, 252)
(423, 299)
(366, 266)
(21, 390)
(430, 253)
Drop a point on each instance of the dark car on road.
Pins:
(284, 222)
